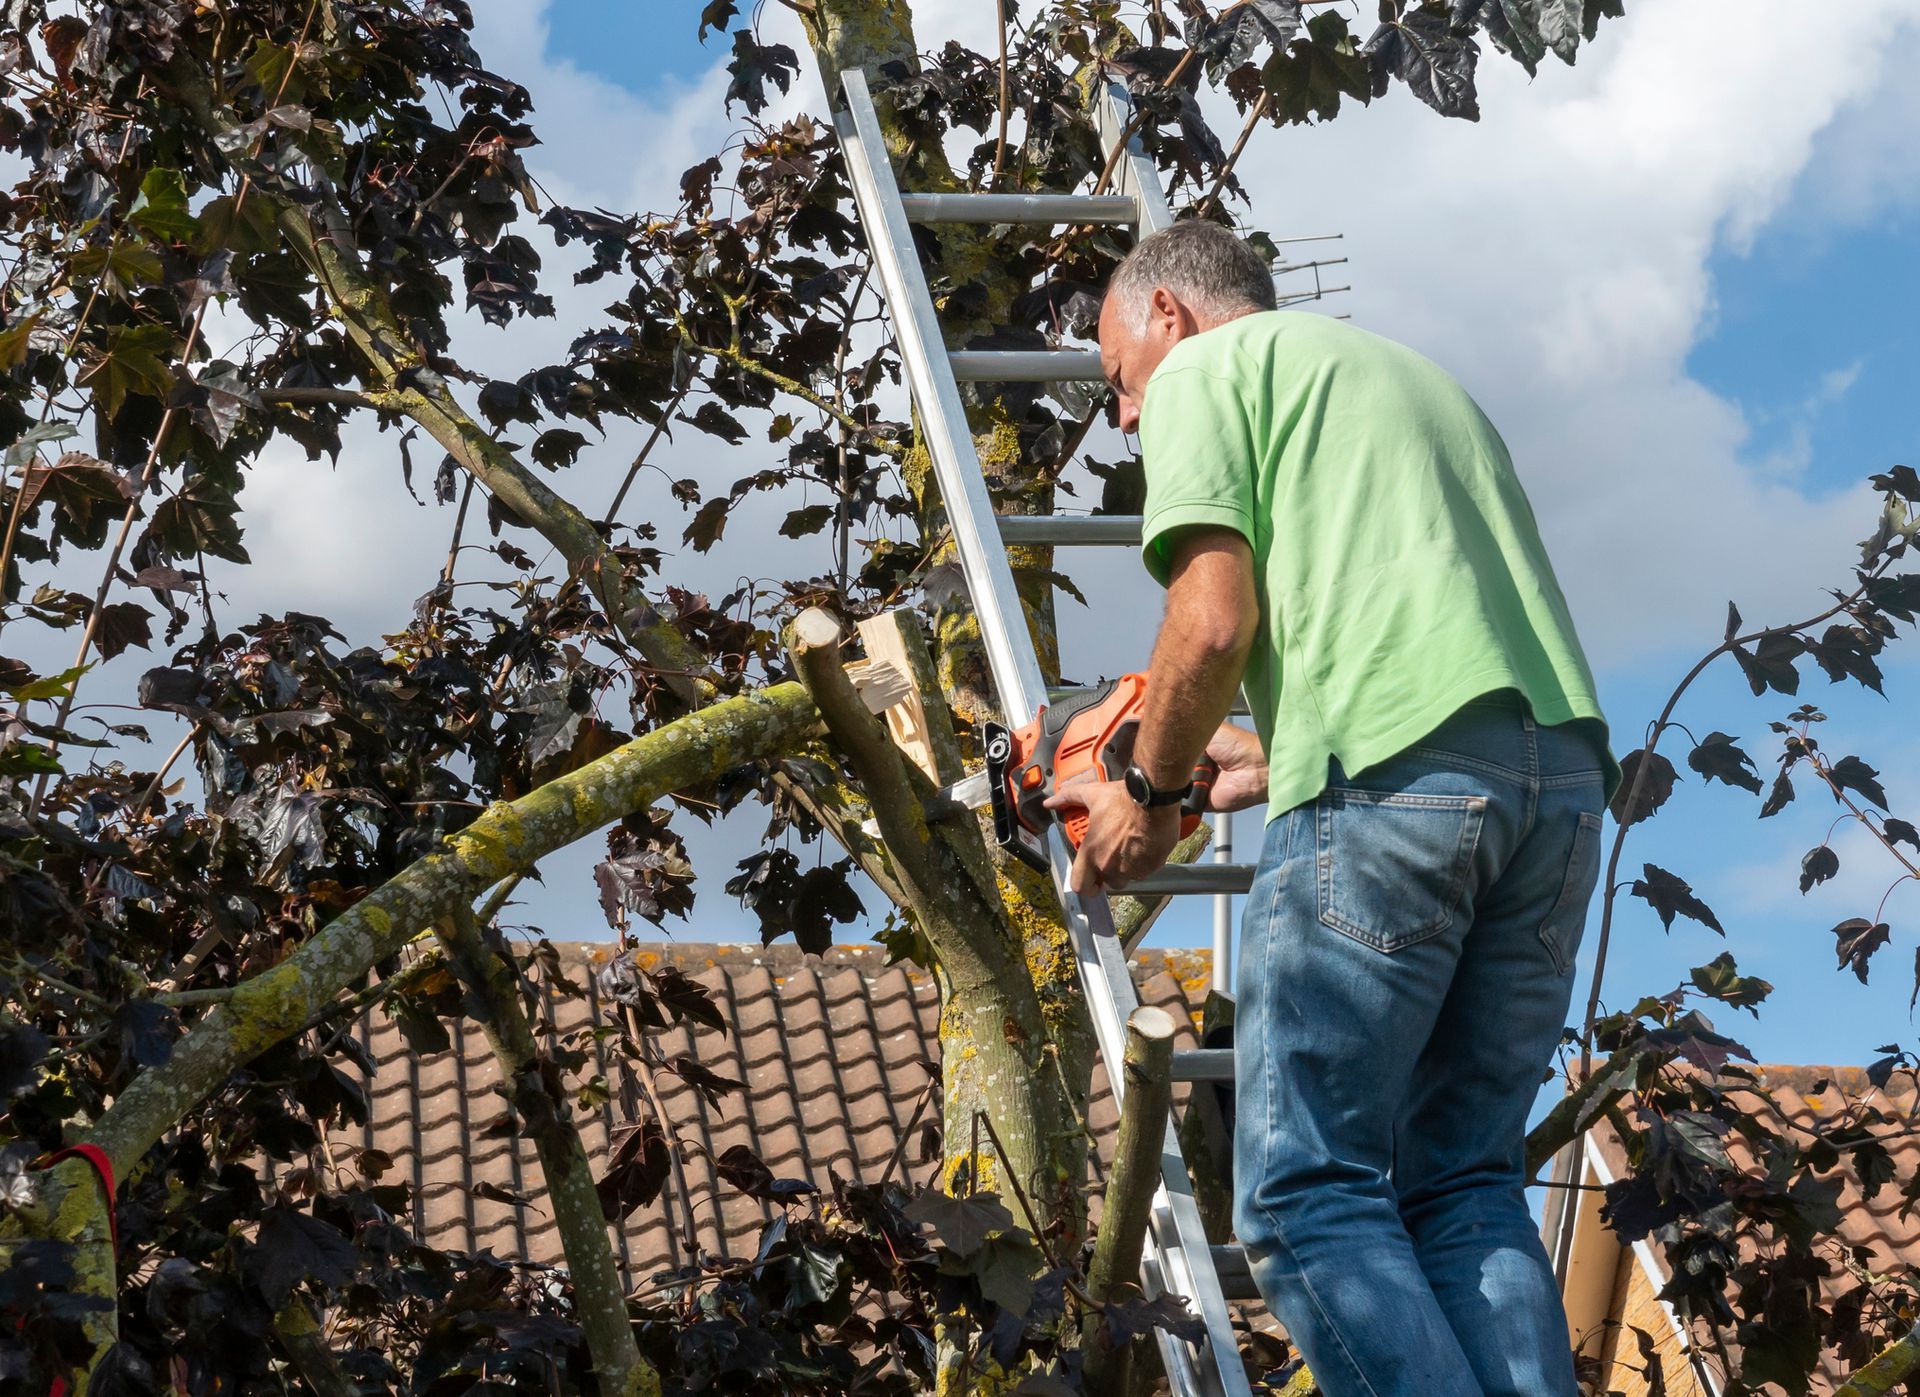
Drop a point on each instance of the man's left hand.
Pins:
(1125, 840)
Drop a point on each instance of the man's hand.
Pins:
(1242, 782)
(1125, 840)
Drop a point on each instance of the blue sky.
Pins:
(1806, 303)
(1778, 370)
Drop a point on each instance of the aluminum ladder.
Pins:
(1178, 1258)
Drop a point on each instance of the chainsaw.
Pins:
(1088, 737)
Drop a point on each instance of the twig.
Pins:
(746, 362)
(913, 1123)
(459, 524)
(1612, 880)
(66, 354)
(633, 471)
(843, 507)
(1839, 794)
(323, 397)
(981, 1118)
(186, 999)
(153, 786)
(497, 899)
(1000, 142)
(1233, 156)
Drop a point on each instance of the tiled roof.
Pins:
(1818, 1098)
(837, 1053)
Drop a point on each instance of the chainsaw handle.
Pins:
(1200, 794)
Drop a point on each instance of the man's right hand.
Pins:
(1242, 782)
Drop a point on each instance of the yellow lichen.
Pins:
(267, 1008)
(999, 445)
(984, 1169)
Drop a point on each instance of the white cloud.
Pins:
(1555, 257)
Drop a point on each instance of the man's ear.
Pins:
(1166, 310)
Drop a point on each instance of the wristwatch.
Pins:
(1143, 793)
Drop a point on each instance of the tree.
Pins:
(178, 967)
(1741, 1195)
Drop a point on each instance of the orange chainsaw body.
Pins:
(1086, 738)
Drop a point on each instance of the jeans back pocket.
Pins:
(1561, 931)
(1393, 866)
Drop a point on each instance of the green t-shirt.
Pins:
(1399, 567)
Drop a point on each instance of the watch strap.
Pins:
(1155, 798)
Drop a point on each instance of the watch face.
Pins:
(1138, 786)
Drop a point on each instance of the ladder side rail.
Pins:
(1021, 685)
(943, 417)
(1135, 173)
(1186, 1259)
(1183, 1373)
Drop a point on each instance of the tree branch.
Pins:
(405, 383)
(1233, 156)
(324, 397)
(1137, 1146)
(994, 1031)
(600, 1303)
(1133, 914)
(932, 875)
(1611, 881)
(1564, 1122)
(747, 363)
(505, 839)
(1889, 1368)
(306, 1345)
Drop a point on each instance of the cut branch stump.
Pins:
(1137, 1148)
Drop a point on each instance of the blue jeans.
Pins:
(1405, 969)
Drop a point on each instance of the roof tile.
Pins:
(836, 1053)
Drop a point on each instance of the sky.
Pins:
(1680, 277)
(1683, 287)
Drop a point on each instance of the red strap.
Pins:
(102, 1166)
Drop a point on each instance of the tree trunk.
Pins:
(1022, 920)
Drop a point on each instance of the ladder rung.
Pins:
(1027, 366)
(1021, 208)
(1113, 530)
(1183, 878)
(1203, 1065)
(1236, 1276)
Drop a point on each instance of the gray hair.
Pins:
(1205, 265)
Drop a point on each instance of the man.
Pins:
(1340, 529)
